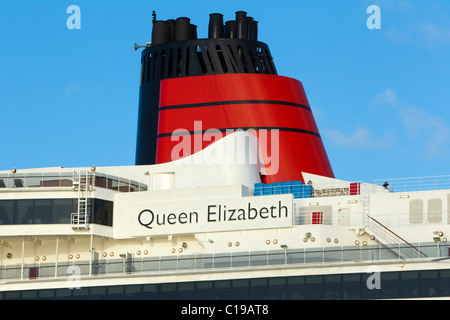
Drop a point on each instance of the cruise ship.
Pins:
(232, 197)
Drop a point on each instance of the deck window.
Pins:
(52, 211)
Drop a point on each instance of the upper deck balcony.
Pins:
(36, 181)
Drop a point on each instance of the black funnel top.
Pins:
(176, 52)
(232, 47)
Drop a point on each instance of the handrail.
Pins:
(65, 180)
(416, 183)
(202, 262)
(396, 235)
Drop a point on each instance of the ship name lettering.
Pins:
(218, 213)
(147, 217)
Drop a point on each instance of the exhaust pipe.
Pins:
(172, 27)
(252, 29)
(241, 25)
(215, 30)
(183, 29)
(255, 30)
(229, 29)
(192, 32)
(160, 32)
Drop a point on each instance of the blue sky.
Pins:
(381, 98)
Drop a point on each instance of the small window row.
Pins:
(358, 286)
(430, 211)
(46, 180)
(52, 211)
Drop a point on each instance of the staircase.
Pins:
(386, 236)
(391, 240)
(82, 184)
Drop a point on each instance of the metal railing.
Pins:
(305, 216)
(344, 188)
(416, 183)
(203, 263)
(66, 180)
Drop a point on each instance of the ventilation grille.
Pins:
(205, 57)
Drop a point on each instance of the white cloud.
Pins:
(71, 89)
(434, 35)
(422, 24)
(360, 139)
(416, 131)
(424, 35)
(387, 97)
(429, 134)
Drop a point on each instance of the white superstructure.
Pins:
(193, 223)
